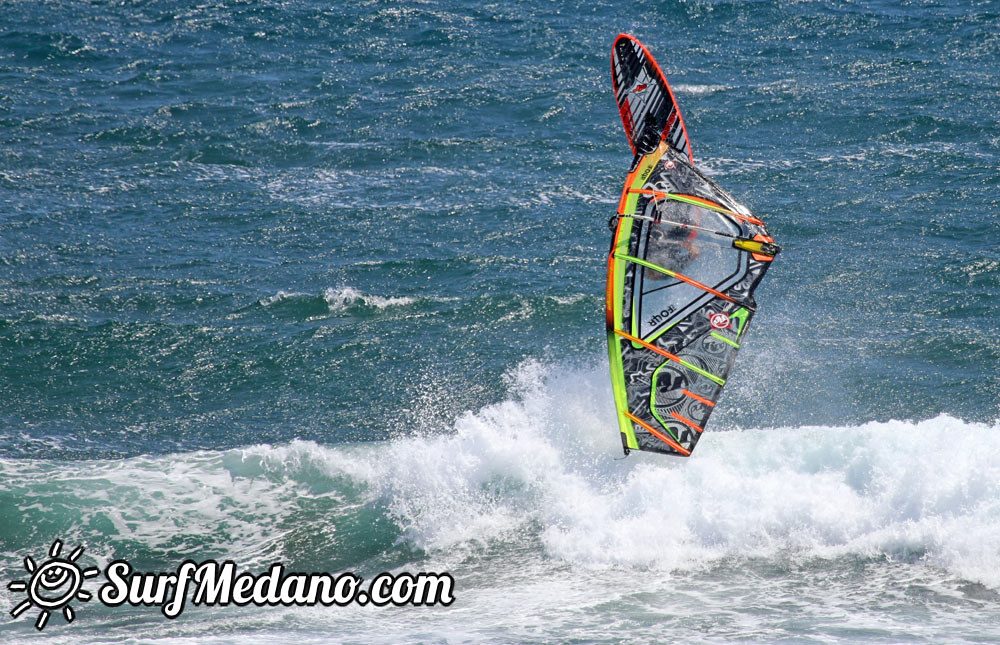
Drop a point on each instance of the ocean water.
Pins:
(323, 285)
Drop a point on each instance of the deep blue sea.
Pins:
(322, 283)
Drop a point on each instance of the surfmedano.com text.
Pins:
(210, 583)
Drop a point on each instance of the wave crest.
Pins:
(544, 467)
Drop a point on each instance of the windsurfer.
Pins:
(671, 248)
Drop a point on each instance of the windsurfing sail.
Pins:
(685, 260)
(645, 101)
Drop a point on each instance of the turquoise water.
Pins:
(324, 285)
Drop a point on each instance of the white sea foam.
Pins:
(172, 502)
(344, 297)
(341, 298)
(281, 296)
(546, 458)
(724, 165)
(697, 90)
(545, 465)
(570, 299)
(529, 503)
(57, 318)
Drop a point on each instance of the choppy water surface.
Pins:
(324, 285)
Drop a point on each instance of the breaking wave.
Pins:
(545, 463)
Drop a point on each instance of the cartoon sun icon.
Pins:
(53, 585)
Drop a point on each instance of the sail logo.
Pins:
(719, 320)
(662, 316)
